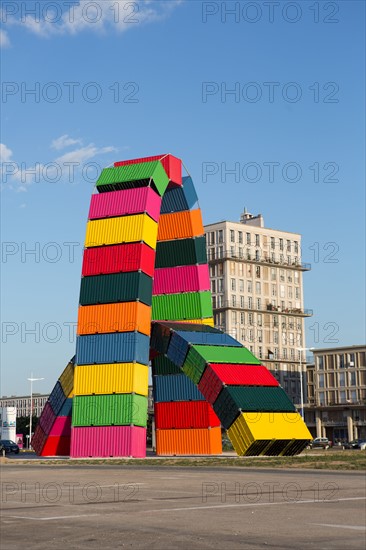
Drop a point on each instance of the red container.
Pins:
(61, 426)
(118, 258)
(185, 414)
(38, 440)
(218, 374)
(121, 203)
(172, 166)
(56, 446)
(188, 278)
(47, 418)
(108, 441)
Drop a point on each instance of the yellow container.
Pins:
(111, 378)
(208, 321)
(67, 379)
(269, 433)
(124, 229)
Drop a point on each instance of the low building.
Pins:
(336, 406)
(23, 403)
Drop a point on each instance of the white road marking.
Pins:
(53, 518)
(355, 527)
(249, 505)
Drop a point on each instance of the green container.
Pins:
(226, 354)
(163, 365)
(233, 400)
(181, 252)
(116, 287)
(109, 410)
(133, 175)
(187, 305)
(194, 365)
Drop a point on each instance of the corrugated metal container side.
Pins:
(207, 321)
(124, 229)
(120, 317)
(180, 225)
(177, 350)
(208, 338)
(264, 428)
(66, 407)
(38, 440)
(235, 399)
(143, 173)
(210, 385)
(121, 347)
(243, 375)
(116, 287)
(181, 252)
(118, 258)
(185, 414)
(216, 354)
(179, 198)
(189, 278)
(175, 387)
(47, 418)
(111, 378)
(108, 441)
(56, 446)
(67, 378)
(61, 426)
(197, 325)
(121, 203)
(163, 365)
(194, 366)
(171, 164)
(190, 305)
(160, 337)
(110, 410)
(57, 398)
(189, 442)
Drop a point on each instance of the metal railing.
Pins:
(227, 304)
(261, 259)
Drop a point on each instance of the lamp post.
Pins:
(301, 380)
(31, 380)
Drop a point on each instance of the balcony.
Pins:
(264, 309)
(262, 260)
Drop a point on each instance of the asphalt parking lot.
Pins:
(114, 506)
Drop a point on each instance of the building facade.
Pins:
(257, 294)
(23, 403)
(337, 393)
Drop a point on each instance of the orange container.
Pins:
(180, 225)
(119, 317)
(205, 441)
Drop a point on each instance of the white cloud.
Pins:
(4, 39)
(84, 154)
(99, 16)
(5, 153)
(64, 141)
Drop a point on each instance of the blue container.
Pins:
(57, 398)
(160, 337)
(66, 408)
(178, 349)
(175, 387)
(119, 347)
(179, 198)
(209, 338)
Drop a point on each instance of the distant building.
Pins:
(257, 294)
(336, 405)
(23, 403)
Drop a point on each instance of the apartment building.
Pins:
(257, 293)
(337, 393)
(23, 403)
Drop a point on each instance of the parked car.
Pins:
(320, 443)
(8, 446)
(356, 444)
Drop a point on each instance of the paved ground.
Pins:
(72, 507)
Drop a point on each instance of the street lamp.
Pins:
(31, 380)
(301, 380)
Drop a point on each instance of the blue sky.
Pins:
(111, 84)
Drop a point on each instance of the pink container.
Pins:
(187, 278)
(61, 426)
(129, 201)
(47, 418)
(108, 441)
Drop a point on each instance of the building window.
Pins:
(220, 269)
(321, 398)
(249, 286)
(212, 237)
(257, 240)
(220, 235)
(284, 352)
(242, 318)
(257, 271)
(232, 251)
(342, 379)
(220, 252)
(257, 255)
(259, 303)
(232, 236)
(273, 244)
(250, 302)
(214, 302)
(353, 396)
(352, 378)
(259, 319)
(250, 318)
(241, 253)
(275, 321)
(212, 271)
(241, 285)
(297, 293)
(296, 247)
(260, 336)
(220, 285)
(273, 274)
(241, 270)
(288, 243)
(233, 300)
(281, 244)
(233, 284)
(320, 361)
(233, 317)
(248, 238)
(242, 303)
(257, 287)
(321, 380)
(240, 237)
(342, 396)
(275, 337)
(260, 352)
(274, 290)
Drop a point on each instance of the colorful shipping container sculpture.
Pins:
(145, 297)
